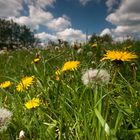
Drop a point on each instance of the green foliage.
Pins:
(101, 39)
(12, 34)
(69, 110)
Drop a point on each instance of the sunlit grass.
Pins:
(64, 107)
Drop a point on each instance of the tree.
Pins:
(100, 39)
(13, 34)
(107, 38)
(95, 38)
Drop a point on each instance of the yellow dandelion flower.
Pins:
(36, 60)
(70, 65)
(5, 84)
(57, 78)
(126, 48)
(58, 72)
(35, 102)
(94, 45)
(25, 83)
(119, 55)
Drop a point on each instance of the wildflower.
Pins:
(70, 65)
(2, 52)
(36, 60)
(32, 103)
(89, 53)
(58, 72)
(5, 84)
(57, 48)
(5, 118)
(80, 51)
(57, 78)
(119, 55)
(21, 134)
(25, 83)
(95, 76)
(94, 45)
(126, 48)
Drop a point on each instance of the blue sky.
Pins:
(70, 19)
(90, 16)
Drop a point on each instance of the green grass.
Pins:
(69, 110)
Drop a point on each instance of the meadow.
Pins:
(67, 93)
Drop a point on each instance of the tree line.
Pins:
(15, 35)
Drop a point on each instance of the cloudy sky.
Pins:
(71, 19)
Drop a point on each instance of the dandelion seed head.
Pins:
(57, 48)
(5, 118)
(95, 76)
(80, 51)
(90, 53)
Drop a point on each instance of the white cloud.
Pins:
(40, 3)
(127, 30)
(10, 7)
(126, 18)
(122, 38)
(59, 24)
(72, 35)
(111, 3)
(44, 3)
(105, 31)
(69, 34)
(45, 37)
(38, 16)
(23, 20)
(84, 2)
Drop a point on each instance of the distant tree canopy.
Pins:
(13, 34)
(101, 39)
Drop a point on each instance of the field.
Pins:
(71, 93)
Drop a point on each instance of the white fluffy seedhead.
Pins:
(5, 118)
(95, 76)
